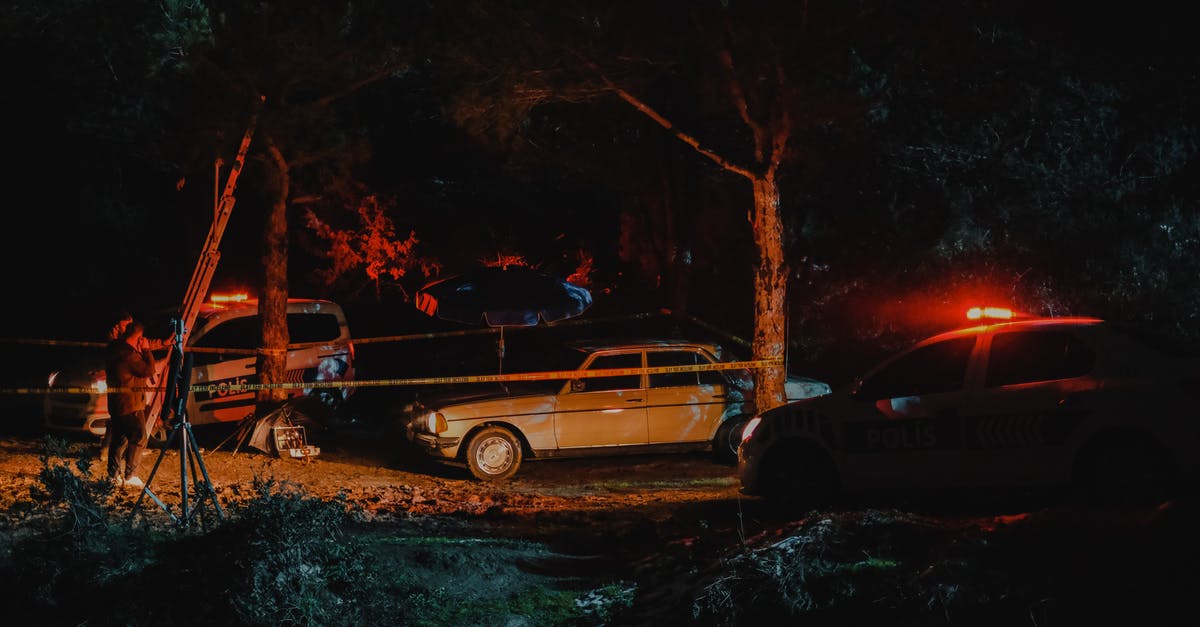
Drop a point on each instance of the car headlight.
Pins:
(52, 378)
(434, 422)
(750, 427)
(100, 385)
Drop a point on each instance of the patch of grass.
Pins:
(435, 607)
(447, 541)
(703, 482)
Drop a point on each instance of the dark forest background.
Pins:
(1042, 155)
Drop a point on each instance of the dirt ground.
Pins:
(582, 523)
(653, 527)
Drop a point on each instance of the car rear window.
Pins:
(244, 332)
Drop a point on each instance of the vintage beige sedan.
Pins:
(647, 411)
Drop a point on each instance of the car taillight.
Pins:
(750, 427)
(52, 378)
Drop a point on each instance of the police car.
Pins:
(1011, 402)
(222, 344)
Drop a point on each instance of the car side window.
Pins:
(1025, 357)
(619, 382)
(312, 327)
(242, 333)
(931, 369)
(679, 379)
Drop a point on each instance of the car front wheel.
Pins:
(493, 454)
(798, 475)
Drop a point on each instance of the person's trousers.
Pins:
(128, 431)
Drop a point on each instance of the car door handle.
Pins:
(718, 396)
(251, 366)
(633, 400)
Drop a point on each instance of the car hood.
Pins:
(797, 388)
(461, 395)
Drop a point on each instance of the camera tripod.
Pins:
(181, 437)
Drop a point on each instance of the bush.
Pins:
(281, 559)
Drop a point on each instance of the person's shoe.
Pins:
(116, 481)
(134, 482)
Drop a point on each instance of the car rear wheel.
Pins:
(727, 440)
(493, 454)
(1124, 469)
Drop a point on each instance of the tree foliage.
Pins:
(1002, 164)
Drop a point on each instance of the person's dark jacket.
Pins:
(126, 367)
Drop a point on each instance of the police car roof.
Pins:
(1020, 323)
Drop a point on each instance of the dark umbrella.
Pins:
(503, 297)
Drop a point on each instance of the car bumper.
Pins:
(74, 414)
(435, 446)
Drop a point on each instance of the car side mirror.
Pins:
(577, 385)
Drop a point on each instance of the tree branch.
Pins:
(739, 101)
(384, 72)
(649, 112)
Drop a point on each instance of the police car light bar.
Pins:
(230, 298)
(989, 313)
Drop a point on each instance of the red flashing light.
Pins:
(240, 297)
(989, 313)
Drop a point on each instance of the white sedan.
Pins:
(640, 410)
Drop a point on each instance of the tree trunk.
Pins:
(770, 294)
(272, 305)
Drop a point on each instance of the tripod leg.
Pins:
(150, 478)
(208, 486)
(184, 449)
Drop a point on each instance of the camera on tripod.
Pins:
(178, 379)
(178, 386)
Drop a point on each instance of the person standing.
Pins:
(121, 322)
(128, 364)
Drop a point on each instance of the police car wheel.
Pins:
(1124, 470)
(798, 474)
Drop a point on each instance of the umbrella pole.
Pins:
(500, 350)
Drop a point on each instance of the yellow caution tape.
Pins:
(225, 388)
